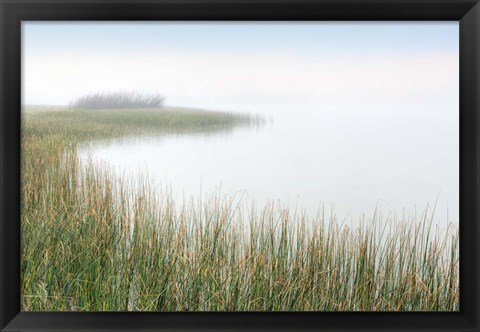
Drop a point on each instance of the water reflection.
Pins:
(327, 159)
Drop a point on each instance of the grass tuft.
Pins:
(118, 100)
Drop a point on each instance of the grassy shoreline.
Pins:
(88, 246)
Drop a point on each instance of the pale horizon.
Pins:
(252, 63)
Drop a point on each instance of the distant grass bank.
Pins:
(86, 125)
(88, 246)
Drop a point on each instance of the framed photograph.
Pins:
(239, 165)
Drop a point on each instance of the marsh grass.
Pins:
(93, 241)
(118, 100)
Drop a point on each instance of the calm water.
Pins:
(349, 159)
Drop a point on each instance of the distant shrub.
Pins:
(116, 100)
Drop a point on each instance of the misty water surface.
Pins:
(391, 157)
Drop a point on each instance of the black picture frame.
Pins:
(13, 12)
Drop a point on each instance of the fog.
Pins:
(362, 114)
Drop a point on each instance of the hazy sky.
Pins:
(231, 64)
